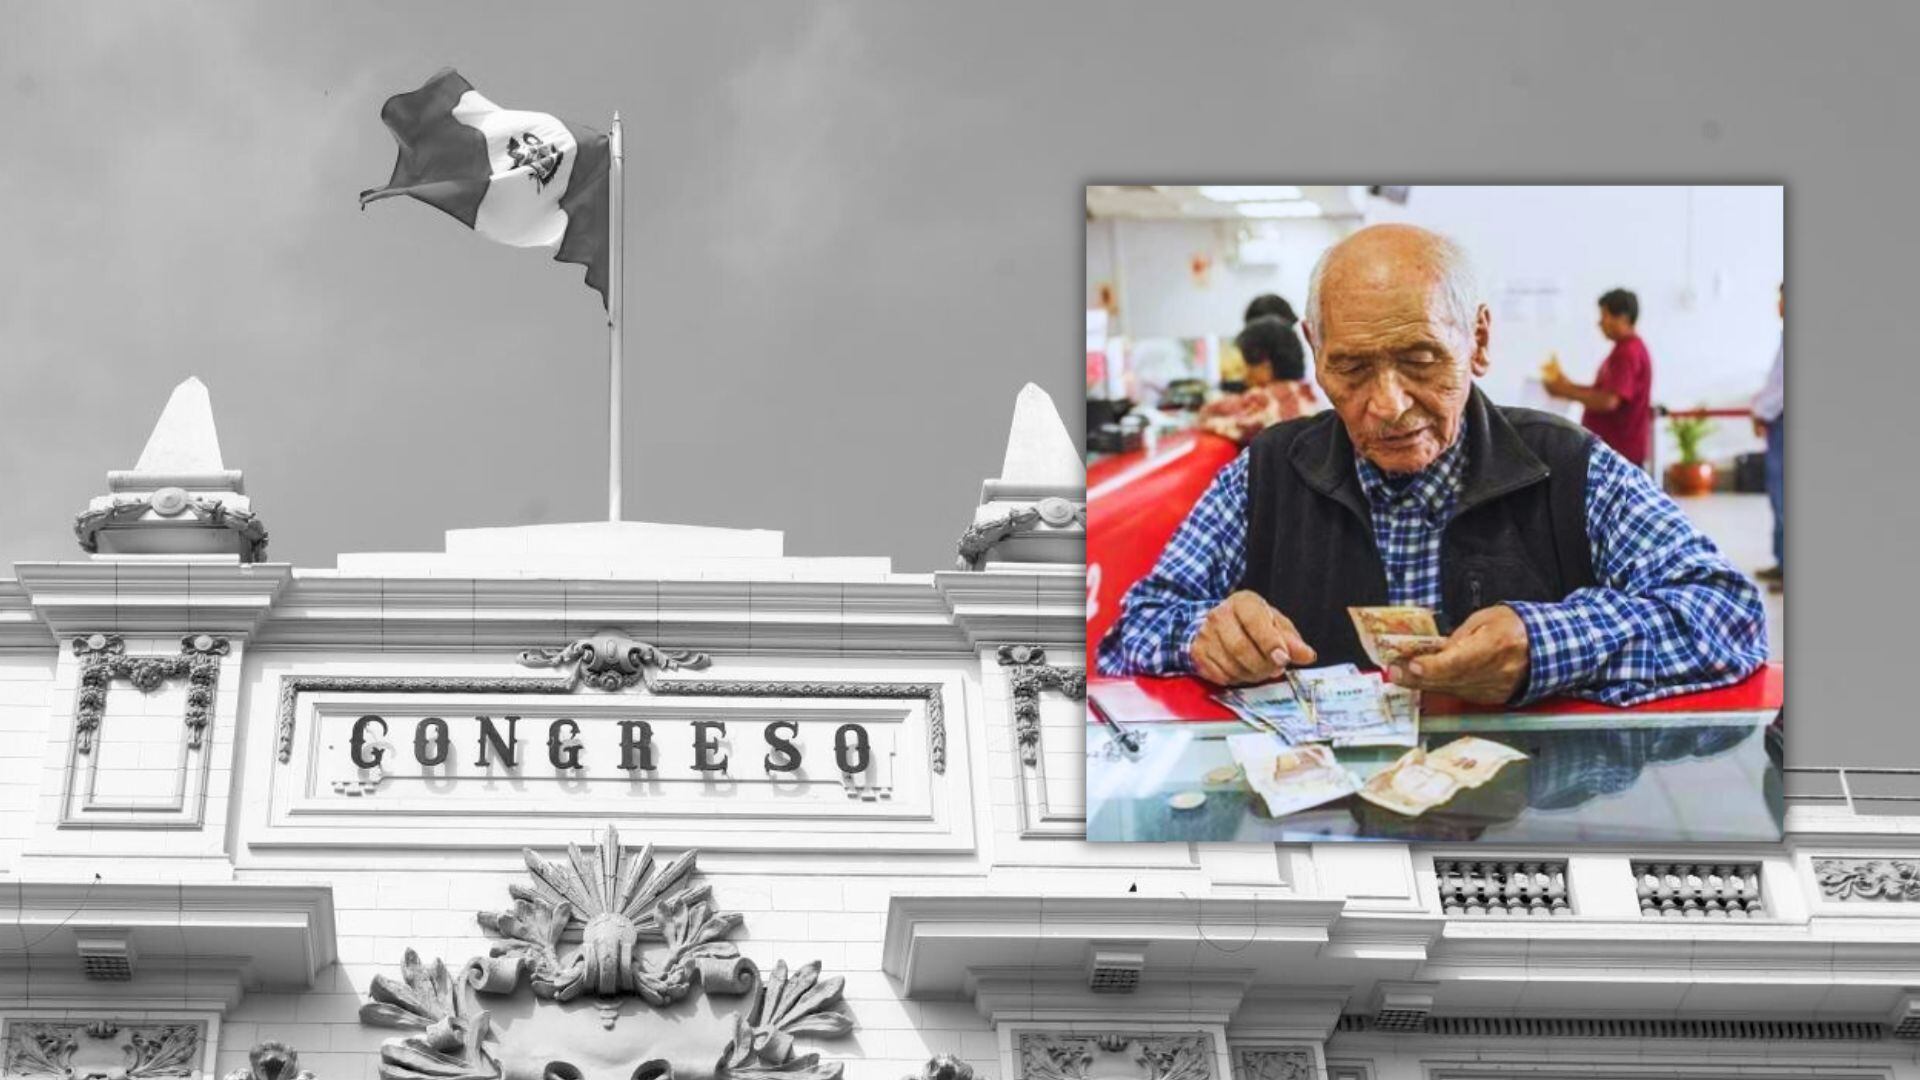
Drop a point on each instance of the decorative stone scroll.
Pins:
(614, 662)
(1048, 1055)
(103, 659)
(1678, 890)
(102, 1050)
(1520, 888)
(1028, 674)
(1896, 880)
(1274, 1063)
(607, 1009)
(982, 537)
(271, 1060)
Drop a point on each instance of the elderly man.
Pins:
(1563, 569)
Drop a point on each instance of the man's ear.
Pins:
(1482, 334)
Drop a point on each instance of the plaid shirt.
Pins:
(1669, 614)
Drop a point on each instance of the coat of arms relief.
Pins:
(609, 966)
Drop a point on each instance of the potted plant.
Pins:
(1691, 475)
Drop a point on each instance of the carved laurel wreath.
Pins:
(171, 502)
(616, 898)
(982, 537)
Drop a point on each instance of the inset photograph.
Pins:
(1435, 513)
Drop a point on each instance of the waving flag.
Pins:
(522, 178)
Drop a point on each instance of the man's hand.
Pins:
(1760, 427)
(1484, 660)
(1556, 385)
(1245, 640)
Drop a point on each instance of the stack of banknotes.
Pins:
(1305, 717)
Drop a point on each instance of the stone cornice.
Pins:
(159, 597)
(996, 608)
(224, 935)
(1056, 994)
(20, 626)
(903, 617)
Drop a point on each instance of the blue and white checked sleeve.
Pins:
(1161, 614)
(1669, 615)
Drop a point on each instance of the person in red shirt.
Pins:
(1619, 404)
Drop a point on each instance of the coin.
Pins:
(1225, 774)
(1187, 800)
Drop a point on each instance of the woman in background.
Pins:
(1277, 386)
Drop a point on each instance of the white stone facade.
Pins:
(256, 885)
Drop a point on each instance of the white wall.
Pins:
(1725, 244)
(1158, 295)
(1713, 351)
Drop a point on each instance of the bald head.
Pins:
(1393, 256)
(1398, 335)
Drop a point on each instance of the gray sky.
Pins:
(821, 256)
(857, 230)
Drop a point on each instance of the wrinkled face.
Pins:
(1396, 366)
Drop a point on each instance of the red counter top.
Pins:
(1147, 698)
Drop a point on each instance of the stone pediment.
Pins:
(609, 966)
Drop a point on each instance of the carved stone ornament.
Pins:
(103, 659)
(1028, 675)
(1896, 880)
(1062, 1056)
(942, 1067)
(172, 502)
(103, 1050)
(610, 660)
(982, 537)
(607, 1008)
(617, 659)
(1275, 1063)
(271, 1060)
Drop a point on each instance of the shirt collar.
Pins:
(1433, 489)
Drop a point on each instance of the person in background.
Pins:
(1619, 404)
(1277, 386)
(1270, 304)
(1770, 423)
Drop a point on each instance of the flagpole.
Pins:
(614, 296)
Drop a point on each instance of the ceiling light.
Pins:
(1279, 209)
(1250, 193)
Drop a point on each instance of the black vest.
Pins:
(1518, 531)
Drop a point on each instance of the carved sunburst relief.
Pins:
(571, 991)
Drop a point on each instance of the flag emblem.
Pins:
(540, 160)
(467, 156)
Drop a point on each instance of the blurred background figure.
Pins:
(1276, 379)
(1619, 402)
(1769, 422)
(1271, 304)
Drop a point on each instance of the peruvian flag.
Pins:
(522, 178)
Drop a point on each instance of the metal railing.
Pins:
(1850, 793)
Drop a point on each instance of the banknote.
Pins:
(1395, 723)
(1291, 779)
(1399, 648)
(1412, 629)
(1471, 760)
(1274, 708)
(1410, 786)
